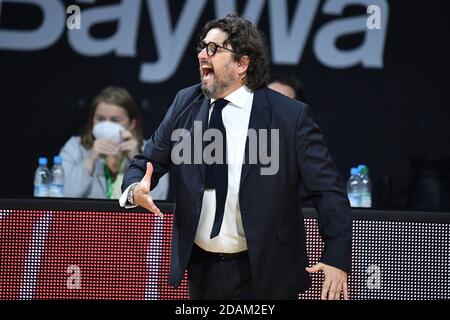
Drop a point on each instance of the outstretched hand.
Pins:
(335, 281)
(141, 193)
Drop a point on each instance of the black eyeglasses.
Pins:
(211, 48)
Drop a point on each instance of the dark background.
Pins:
(380, 117)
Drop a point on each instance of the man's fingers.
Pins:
(153, 208)
(325, 289)
(143, 198)
(142, 190)
(147, 179)
(335, 282)
(345, 290)
(314, 269)
(148, 172)
(334, 292)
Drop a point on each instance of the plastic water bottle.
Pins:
(366, 187)
(353, 188)
(57, 185)
(42, 179)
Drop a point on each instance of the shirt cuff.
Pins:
(123, 198)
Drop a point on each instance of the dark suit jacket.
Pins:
(273, 227)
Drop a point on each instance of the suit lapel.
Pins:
(259, 119)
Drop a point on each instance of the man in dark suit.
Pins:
(236, 228)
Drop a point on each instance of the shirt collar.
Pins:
(239, 97)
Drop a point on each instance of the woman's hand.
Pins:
(101, 147)
(129, 144)
(104, 147)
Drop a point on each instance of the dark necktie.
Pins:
(216, 174)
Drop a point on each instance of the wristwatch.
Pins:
(130, 196)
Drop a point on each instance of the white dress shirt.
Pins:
(231, 239)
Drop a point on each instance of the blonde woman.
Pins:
(94, 163)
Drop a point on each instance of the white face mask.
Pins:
(107, 130)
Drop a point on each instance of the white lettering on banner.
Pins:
(51, 29)
(170, 42)
(369, 54)
(122, 43)
(252, 11)
(171, 38)
(288, 45)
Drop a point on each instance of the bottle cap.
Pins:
(365, 170)
(354, 171)
(57, 160)
(361, 166)
(42, 161)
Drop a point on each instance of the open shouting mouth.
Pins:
(207, 73)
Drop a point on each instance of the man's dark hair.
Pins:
(291, 81)
(245, 39)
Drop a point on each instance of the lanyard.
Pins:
(110, 179)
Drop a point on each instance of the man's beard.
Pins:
(210, 91)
